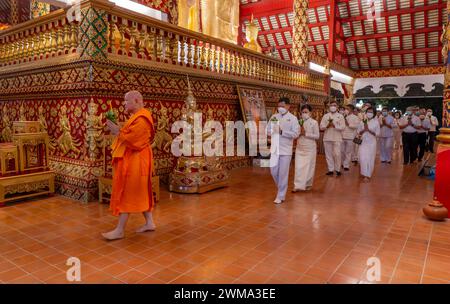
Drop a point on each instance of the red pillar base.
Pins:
(442, 180)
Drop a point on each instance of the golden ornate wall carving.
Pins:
(300, 33)
(396, 72)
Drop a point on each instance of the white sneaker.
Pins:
(277, 201)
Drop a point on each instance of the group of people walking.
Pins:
(350, 135)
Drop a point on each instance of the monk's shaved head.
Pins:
(133, 101)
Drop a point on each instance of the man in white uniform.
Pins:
(333, 124)
(386, 136)
(409, 124)
(432, 133)
(423, 132)
(283, 128)
(348, 135)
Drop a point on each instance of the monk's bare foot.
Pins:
(114, 235)
(146, 228)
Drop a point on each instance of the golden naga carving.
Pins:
(44, 127)
(94, 131)
(65, 141)
(6, 132)
(445, 39)
(163, 139)
(251, 34)
(189, 14)
(220, 19)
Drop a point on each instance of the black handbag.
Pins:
(357, 140)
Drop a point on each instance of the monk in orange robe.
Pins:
(132, 165)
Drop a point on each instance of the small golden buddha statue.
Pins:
(251, 35)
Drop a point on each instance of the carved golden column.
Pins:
(300, 33)
(14, 17)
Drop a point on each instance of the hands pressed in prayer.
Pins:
(115, 129)
(275, 128)
(302, 131)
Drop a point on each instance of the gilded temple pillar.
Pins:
(442, 179)
(14, 16)
(300, 33)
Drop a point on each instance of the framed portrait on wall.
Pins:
(253, 106)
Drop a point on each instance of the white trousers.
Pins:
(333, 155)
(386, 146)
(305, 166)
(348, 147)
(280, 174)
(355, 153)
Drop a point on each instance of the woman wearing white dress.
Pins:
(397, 131)
(369, 130)
(306, 151)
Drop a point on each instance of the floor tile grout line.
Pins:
(380, 245)
(310, 241)
(403, 249)
(334, 242)
(426, 254)
(359, 240)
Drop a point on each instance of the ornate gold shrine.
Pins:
(24, 163)
(196, 174)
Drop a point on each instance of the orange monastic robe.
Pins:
(132, 165)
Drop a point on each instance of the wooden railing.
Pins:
(46, 37)
(133, 35)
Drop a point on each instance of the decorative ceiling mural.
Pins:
(407, 32)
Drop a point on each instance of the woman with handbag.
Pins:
(368, 130)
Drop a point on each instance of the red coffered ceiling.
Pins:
(407, 32)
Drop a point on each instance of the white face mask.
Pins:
(429, 114)
(305, 116)
(282, 110)
(370, 115)
(333, 109)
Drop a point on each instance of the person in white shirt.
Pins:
(348, 135)
(283, 128)
(368, 129)
(386, 136)
(423, 132)
(397, 132)
(433, 129)
(409, 124)
(306, 151)
(333, 124)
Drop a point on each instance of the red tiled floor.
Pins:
(237, 235)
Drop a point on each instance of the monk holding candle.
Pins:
(132, 165)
